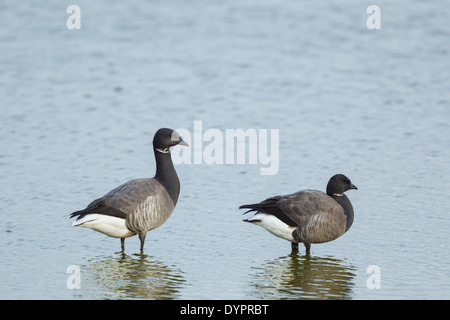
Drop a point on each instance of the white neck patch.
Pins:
(338, 194)
(165, 150)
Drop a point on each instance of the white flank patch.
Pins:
(111, 226)
(274, 225)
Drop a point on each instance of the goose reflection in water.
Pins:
(130, 277)
(304, 277)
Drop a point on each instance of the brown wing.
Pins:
(318, 217)
(128, 196)
(144, 203)
(306, 203)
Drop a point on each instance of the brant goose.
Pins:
(138, 205)
(307, 216)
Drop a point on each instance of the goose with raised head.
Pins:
(307, 216)
(139, 205)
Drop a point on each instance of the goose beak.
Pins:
(353, 187)
(183, 143)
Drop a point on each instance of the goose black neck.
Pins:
(344, 201)
(166, 174)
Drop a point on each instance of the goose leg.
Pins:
(294, 246)
(142, 238)
(122, 244)
(308, 247)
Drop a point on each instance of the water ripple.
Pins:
(304, 277)
(123, 276)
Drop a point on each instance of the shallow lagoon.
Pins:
(79, 109)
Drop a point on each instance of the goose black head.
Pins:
(338, 184)
(165, 138)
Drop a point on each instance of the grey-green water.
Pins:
(79, 109)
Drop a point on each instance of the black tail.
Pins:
(252, 207)
(101, 208)
(269, 206)
(89, 209)
(76, 214)
(248, 206)
(265, 206)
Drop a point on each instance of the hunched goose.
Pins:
(307, 216)
(139, 205)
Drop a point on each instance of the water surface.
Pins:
(79, 109)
